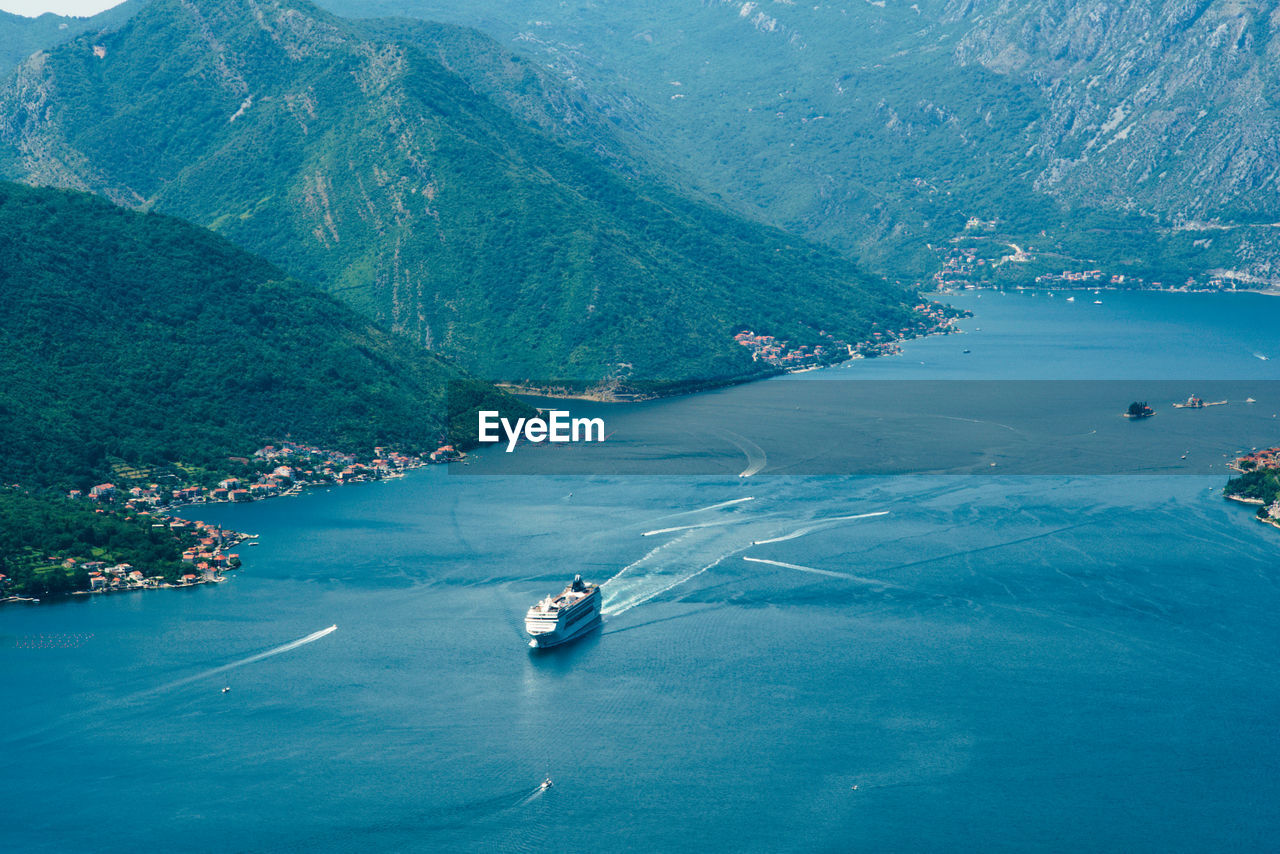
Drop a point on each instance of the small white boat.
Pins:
(546, 784)
(1250, 400)
(1071, 299)
(226, 689)
(1097, 302)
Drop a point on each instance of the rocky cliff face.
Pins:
(1167, 105)
(1170, 107)
(881, 126)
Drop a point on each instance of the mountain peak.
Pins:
(296, 29)
(409, 168)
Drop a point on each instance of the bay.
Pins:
(1053, 662)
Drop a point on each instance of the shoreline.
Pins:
(1270, 290)
(207, 564)
(603, 395)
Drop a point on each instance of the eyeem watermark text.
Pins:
(557, 426)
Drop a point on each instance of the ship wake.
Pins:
(697, 548)
(670, 565)
(279, 650)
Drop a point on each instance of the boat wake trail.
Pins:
(727, 520)
(670, 565)
(818, 525)
(640, 562)
(729, 503)
(826, 572)
(798, 567)
(623, 607)
(719, 506)
(538, 791)
(756, 457)
(703, 546)
(283, 648)
(694, 527)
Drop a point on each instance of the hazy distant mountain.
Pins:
(427, 176)
(1151, 105)
(1115, 128)
(21, 36)
(145, 339)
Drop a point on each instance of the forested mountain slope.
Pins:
(141, 338)
(1136, 136)
(433, 180)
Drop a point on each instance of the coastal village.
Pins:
(277, 470)
(934, 319)
(284, 469)
(964, 267)
(1258, 484)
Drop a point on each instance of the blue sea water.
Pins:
(989, 663)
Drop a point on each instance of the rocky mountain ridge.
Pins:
(1138, 136)
(426, 176)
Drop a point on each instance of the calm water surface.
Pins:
(995, 663)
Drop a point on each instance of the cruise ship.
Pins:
(557, 619)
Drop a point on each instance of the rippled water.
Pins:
(995, 663)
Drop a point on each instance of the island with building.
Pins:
(1139, 410)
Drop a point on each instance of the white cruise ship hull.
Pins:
(557, 620)
(555, 637)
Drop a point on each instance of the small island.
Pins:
(1194, 402)
(1139, 410)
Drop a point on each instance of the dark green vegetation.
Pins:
(881, 129)
(419, 173)
(1260, 485)
(35, 528)
(21, 36)
(137, 339)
